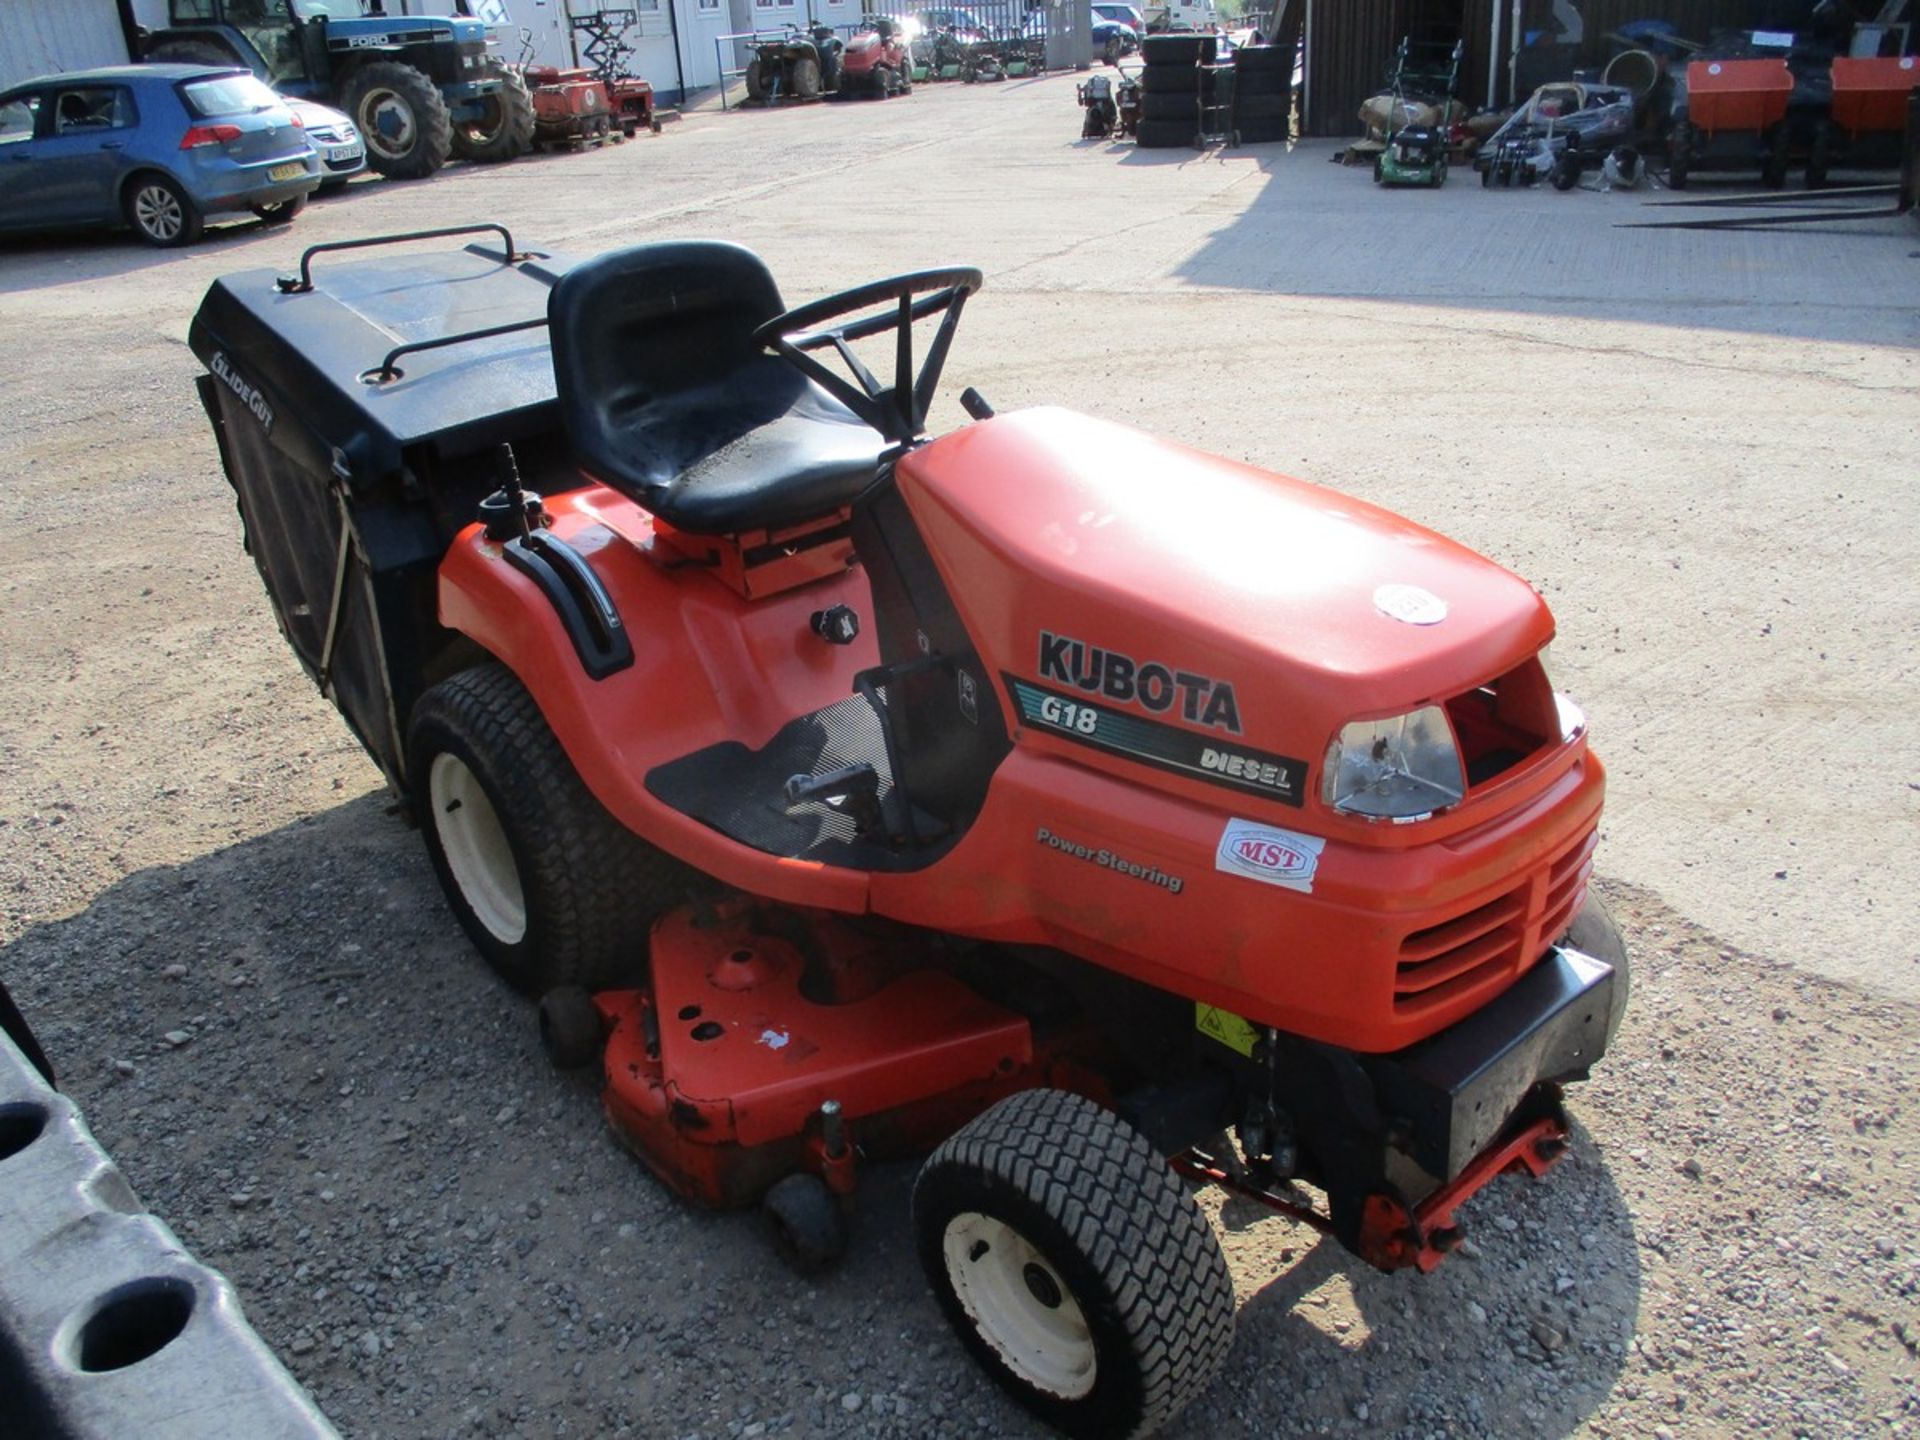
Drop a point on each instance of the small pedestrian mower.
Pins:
(1098, 815)
(1416, 155)
(1102, 116)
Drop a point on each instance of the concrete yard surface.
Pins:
(1700, 447)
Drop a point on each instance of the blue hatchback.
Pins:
(158, 147)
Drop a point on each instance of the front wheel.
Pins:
(806, 79)
(161, 214)
(1074, 1265)
(551, 889)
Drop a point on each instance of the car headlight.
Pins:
(1403, 768)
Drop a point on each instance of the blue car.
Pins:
(158, 147)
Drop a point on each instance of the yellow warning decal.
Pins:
(1226, 1027)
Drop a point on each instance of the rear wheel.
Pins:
(1073, 1265)
(505, 126)
(1820, 156)
(1679, 155)
(191, 52)
(1779, 155)
(806, 79)
(756, 82)
(160, 212)
(551, 889)
(402, 117)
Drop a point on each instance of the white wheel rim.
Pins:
(1020, 1305)
(476, 848)
(158, 212)
(379, 106)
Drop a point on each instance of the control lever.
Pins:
(855, 786)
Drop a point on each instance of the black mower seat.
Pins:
(665, 397)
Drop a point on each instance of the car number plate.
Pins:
(292, 170)
(341, 153)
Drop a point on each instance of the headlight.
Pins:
(1404, 768)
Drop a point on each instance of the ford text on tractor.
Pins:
(1096, 814)
(421, 88)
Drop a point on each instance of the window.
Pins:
(189, 12)
(228, 95)
(103, 107)
(17, 119)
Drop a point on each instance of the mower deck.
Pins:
(717, 1077)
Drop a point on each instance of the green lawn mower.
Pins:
(1416, 155)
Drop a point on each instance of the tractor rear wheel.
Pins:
(401, 116)
(1074, 1265)
(191, 52)
(551, 889)
(505, 127)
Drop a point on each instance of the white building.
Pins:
(44, 37)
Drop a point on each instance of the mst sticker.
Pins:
(1269, 854)
(1165, 747)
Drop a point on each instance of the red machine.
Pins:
(570, 108)
(1097, 813)
(632, 102)
(1870, 98)
(1736, 117)
(876, 61)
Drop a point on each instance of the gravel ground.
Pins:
(239, 958)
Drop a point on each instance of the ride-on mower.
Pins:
(1095, 813)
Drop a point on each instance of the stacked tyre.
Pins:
(1263, 93)
(1173, 87)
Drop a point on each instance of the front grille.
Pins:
(1494, 941)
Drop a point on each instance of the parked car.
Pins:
(335, 139)
(1120, 14)
(158, 147)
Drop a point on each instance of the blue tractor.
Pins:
(420, 87)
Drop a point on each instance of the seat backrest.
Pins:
(638, 325)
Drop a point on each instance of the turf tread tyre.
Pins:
(1264, 132)
(1261, 107)
(1169, 80)
(1264, 59)
(592, 888)
(435, 126)
(1134, 1249)
(1187, 50)
(1166, 134)
(511, 134)
(1183, 108)
(1262, 82)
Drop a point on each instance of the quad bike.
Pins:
(876, 61)
(1094, 813)
(796, 65)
